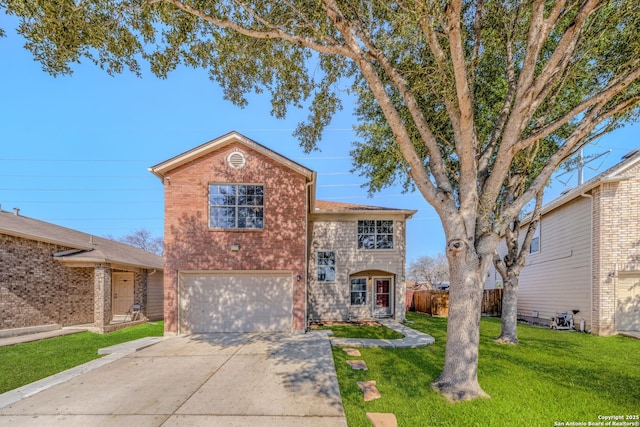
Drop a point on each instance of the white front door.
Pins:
(122, 291)
(383, 297)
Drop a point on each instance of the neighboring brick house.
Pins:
(52, 275)
(244, 236)
(586, 255)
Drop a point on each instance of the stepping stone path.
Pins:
(382, 420)
(412, 339)
(369, 390)
(358, 365)
(352, 352)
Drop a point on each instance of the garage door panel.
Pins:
(628, 303)
(236, 303)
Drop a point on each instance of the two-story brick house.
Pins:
(248, 248)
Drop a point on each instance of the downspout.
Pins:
(590, 197)
(307, 195)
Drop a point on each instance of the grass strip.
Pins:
(362, 331)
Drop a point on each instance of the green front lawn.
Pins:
(28, 362)
(550, 377)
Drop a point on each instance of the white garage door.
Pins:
(235, 302)
(628, 303)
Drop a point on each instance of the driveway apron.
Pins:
(198, 380)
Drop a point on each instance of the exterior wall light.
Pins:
(235, 247)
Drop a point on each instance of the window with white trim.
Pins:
(326, 266)
(359, 291)
(375, 234)
(236, 206)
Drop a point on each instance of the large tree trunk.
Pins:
(509, 318)
(459, 378)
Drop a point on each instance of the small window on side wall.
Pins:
(326, 266)
(535, 242)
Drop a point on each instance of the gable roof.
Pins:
(325, 206)
(616, 173)
(161, 169)
(83, 247)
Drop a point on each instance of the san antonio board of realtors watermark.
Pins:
(604, 421)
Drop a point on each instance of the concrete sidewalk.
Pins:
(200, 380)
(412, 338)
(18, 339)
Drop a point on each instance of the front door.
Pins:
(383, 297)
(122, 292)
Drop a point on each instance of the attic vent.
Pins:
(236, 160)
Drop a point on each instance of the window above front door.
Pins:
(375, 234)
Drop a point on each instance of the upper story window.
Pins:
(535, 242)
(375, 234)
(326, 266)
(236, 206)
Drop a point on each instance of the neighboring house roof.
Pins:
(325, 206)
(232, 137)
(616, 173)
(85, 248)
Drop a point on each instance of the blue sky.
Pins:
(74, 150)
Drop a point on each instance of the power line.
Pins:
(98, 190)
(49, 160)
(104, 219)
(80, 176)
(84, 202)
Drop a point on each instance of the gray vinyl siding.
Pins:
(558, 278)
(331, 300)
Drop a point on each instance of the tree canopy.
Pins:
(453, 96)
(143, 239)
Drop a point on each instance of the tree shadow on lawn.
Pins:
(583, 362)
(550, 376)
(591, 374)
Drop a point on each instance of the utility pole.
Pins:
(581, 163)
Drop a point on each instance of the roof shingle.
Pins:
(90, 248)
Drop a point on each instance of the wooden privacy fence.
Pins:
(436, 303)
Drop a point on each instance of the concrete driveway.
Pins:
(199, 380)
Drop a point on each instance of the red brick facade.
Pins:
(191, 245)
